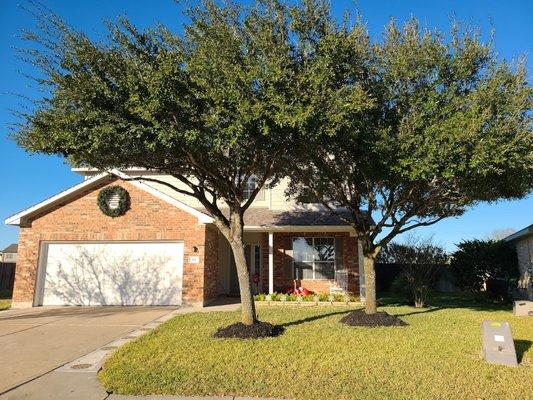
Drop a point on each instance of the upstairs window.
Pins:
(250, 187)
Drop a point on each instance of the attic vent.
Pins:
(114, 201)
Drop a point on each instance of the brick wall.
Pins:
(283, 243)
(211, 264)
(149, 218)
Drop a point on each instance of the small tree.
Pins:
(212, 107)
(420, 261)
(419, 129)
(477, 261)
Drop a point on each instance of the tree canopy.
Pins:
(440, 126)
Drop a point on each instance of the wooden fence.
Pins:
(7, 279)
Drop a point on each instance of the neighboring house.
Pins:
(9, 254)
(523, 243)
(166, 250)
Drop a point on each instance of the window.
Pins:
(257, 259)
(314, 258)
(250, 186)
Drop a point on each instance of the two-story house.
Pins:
(9, 254)
(165, 248)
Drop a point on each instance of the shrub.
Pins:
(400, 287)
(260, 297)
(337, 297)
(478, 265)
(420, 260)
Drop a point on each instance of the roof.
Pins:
(521, 233)
(12, 248)
(258, 219)
(95, 180)
(268, 218)
(311, 219)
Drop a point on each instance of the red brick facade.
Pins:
(149, 218)
(283, 261)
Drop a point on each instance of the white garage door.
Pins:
(111, 273)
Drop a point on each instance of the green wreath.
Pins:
(105, 196)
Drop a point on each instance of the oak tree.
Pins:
(214, 106)
(421, 128)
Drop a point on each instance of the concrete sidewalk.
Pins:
(76, 378)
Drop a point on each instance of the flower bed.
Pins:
(310, 298)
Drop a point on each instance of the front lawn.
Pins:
(5, 304)
(438, 356)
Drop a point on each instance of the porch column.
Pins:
(270, 262)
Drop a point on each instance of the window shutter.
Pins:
(288, 270)
(339, 253)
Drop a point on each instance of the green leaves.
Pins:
(476, 261)
(421, 128)
(225, 100)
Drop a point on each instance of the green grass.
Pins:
(5, 304)
(438, 356)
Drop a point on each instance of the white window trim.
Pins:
(247, 192)
(314, 261)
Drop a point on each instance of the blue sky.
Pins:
(27, 179)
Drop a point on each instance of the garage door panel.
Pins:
(113, 273)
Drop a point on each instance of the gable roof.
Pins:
(528, 230)
(12, 248)
(94, 181)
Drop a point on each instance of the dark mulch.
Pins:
(254, 331)
(360, 318)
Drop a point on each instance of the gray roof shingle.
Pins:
(265, 217)
(12, 248)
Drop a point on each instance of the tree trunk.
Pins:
(237, 246)
(370, 284)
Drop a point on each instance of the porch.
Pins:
(320, 261)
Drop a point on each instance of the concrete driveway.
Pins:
(35, 341)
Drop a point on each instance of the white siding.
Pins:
(274, 198)
(279, 200)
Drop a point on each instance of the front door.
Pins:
(252, 252)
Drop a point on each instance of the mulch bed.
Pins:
(360, 318)
(254, 331)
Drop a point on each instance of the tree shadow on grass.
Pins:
(440, 301)
(314, 318)
(521, 347)
(422, 311)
